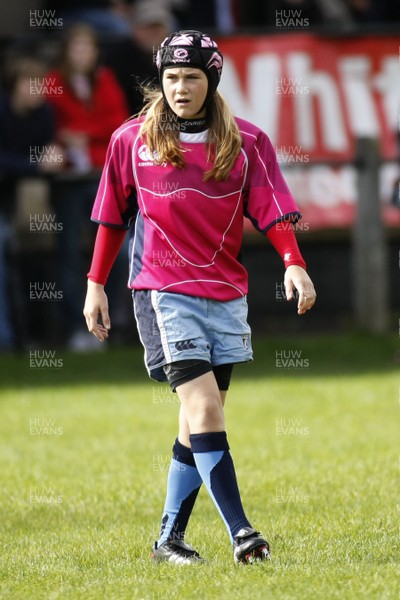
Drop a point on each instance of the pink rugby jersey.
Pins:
(188, 233)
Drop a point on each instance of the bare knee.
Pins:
(207, 416)
(201, 403)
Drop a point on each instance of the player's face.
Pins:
(185, 89)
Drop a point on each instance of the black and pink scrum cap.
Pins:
(191, 48)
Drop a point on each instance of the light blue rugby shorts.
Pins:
(175, 327)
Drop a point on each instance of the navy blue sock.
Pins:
(215, 465)
(183, 486)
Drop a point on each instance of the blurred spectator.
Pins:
(26, 135)
(396, 188)
(332, 12)
(107, 17)
(220, 16)
(132, 59)
(89, 105)
(152, 21)
(370, 11)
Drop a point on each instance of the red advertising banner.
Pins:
(314, 96)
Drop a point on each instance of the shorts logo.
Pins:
(185, 345)
(245, 340)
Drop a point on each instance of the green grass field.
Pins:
(84, 456)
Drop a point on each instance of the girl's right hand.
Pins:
(96, 304)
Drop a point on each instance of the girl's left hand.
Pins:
(296, 278)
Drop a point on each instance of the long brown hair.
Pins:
(224, 140)
(71, 33)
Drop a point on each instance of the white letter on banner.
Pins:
(261, 103)
(324, 86)
(387, 82)
(357, 89)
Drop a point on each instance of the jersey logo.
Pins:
(147, 157)
(144, 153)
(185, 345)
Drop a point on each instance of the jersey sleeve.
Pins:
(115, 204)
(267, 198)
